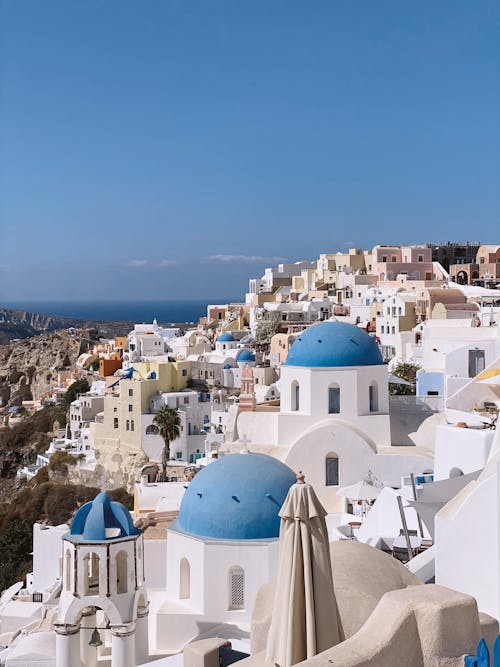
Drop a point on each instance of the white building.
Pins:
(451, 353)
(333, 421)
(195, 416)
(82, 411)
(222, 547)
(398, 314)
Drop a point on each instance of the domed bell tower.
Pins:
(103, 569)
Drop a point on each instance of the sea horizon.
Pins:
(114, 310)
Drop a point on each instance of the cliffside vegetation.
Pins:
(40, 501)
(47, 498)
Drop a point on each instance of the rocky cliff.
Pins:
(23, 324)
(28, 368)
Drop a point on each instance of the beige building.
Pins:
(428, 298)
(488, 259)
(280, 346)
(455, 311)
(117, 435)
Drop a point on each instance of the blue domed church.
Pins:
(333, 420)
(223, 546)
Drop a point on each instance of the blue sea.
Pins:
(119, 311)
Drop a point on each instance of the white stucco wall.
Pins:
(179, 620)
(464, 448)
(357, 456)
(467, 544)
(47, 554)
(384, 518)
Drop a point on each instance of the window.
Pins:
(184, 372)
(399, 310)
(393, 258)
(152, 429)
(132, 425)
(236, 583)
(333, 399)
(373, 397)
(128, 425)
(91, 574)
(186, 401)
(476, 362)
(420, 258)
(121, 572)
(384, 258)
(331, 469)
(295, 396)
(115, 422)
(393, 330)
(130, 392)
(178, 455)
(382, 329)
(184, 579)
(130, 407)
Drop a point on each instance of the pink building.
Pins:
(413, 261)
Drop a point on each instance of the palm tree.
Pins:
(169, 426)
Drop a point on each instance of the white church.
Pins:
(333, 421)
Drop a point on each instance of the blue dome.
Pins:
(237, 497)
(246, 355)
(102, 520)
(331, 344)
(225, 338)
(227, 367)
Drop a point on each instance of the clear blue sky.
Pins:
(161, 149)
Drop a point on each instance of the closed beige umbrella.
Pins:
(304, 621)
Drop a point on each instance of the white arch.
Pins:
(73, 613)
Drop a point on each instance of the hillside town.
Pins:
(365, 384)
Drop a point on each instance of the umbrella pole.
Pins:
(420, 526)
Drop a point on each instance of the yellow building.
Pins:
(117, 434)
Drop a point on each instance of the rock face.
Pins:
(28, 368)
(23, 324)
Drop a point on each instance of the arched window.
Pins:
(121, 572)
(184, 579)
(373, 396)
(332, 469)
(236, 584)
(152, 429)
(333, 399)
(295, 396)
(91, 574)
(67, 565)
